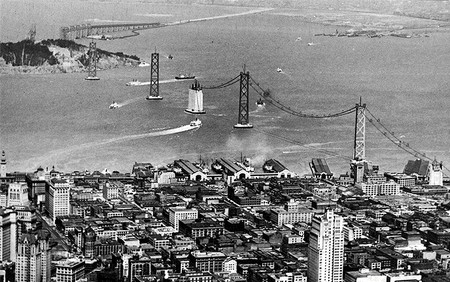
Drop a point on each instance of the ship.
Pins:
(185, 76)
(114, 105)
(196, 123)
(92, 78)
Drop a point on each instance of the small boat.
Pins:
(114, 105)
(311, 43)
(279, 70)
(134, 82)
(260, 102)
(144, 64)
(196, 123)
(184, 76)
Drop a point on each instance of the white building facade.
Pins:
(326, 249)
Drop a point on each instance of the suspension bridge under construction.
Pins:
(247, 82)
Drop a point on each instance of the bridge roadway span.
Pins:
(85, 30)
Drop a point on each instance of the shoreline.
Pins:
(355, 22)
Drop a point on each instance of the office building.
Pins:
(176, 214)
(17, 194)
(33, 258)
(57, 198)
(326, 248)
(70, 270)
(8, 234)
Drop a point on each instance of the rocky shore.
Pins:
(56, 56)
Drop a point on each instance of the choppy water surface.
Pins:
(65, 121)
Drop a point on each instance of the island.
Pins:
(56, 56)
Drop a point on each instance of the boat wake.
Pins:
(129, 101)
(259, 109)
(148, 82)
(63, 153)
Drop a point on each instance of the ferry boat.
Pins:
(196, 123)
(92, 78)
(185, 76)
(114, 105)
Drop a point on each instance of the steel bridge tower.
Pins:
(359, 146)
(92, 67)
(154, 78)
(243, 101)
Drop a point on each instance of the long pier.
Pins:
(85, 30)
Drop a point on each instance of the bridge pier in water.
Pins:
(195, 102)
(154, 78)
(243, 121)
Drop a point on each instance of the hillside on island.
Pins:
(56, 56)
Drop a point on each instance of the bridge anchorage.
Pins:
(93, 57)
(154, 78)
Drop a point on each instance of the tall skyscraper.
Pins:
(326, 249)
(28, 263)
(33, 257)
(8, 234)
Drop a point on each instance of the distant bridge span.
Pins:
(85, 30)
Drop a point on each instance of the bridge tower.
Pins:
(358, 164)
(154, 78)
(243, 101)
(92, 67)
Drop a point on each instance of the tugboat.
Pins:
(114, 105)
(184, 76)
(260, 102)
(196, 123)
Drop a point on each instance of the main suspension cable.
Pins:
(266, 95)
(390, 135)
(223, 85)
